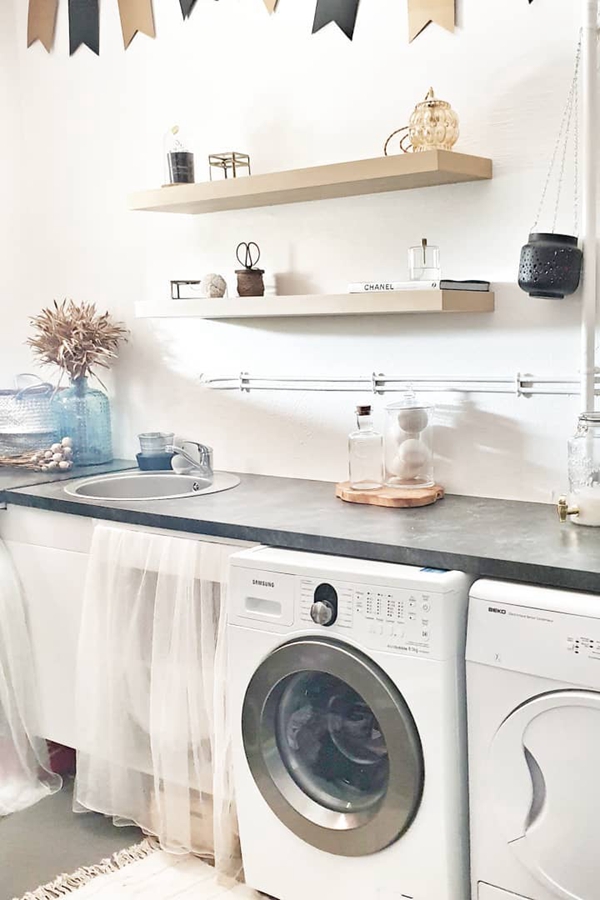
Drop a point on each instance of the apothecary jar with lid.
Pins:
(409, 444)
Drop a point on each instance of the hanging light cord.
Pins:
(570, 117)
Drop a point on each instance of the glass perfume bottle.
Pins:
(365, 453)
(424, 262)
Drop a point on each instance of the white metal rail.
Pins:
(520, 384)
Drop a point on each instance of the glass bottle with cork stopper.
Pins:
(365, 453)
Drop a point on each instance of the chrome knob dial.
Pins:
(324, 610)
(322, 613)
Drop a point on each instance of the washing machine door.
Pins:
(545, 779)
(333, 747)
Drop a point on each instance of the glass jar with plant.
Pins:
(78, 339)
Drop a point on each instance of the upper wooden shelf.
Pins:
(375, 304)
(348, 179)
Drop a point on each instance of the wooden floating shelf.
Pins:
(348, 179)
(375, 304)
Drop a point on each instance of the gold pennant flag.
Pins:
(271, 4)
(422, 13)
(41, 22)
(136, 15)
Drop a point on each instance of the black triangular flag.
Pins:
(84, 25)
(186, 7)
(342, 12)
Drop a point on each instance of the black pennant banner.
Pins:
(342, 12)
(186, 7)
(84, 25)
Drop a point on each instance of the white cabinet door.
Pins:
(52, 582)
(50, 553)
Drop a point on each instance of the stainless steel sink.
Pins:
(132, 486)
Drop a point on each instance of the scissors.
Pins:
(248, 261)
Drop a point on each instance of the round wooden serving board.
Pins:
(399, 498)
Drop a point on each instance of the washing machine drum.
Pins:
(333, 747)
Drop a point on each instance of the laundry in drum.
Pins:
(333, 741)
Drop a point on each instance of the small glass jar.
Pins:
(365, 453)
(409, 444)
(424, 262)
(584, 470)
(179, 159)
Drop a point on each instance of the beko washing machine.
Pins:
(533, 689)
(349, 737)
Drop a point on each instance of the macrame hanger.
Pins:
(569, 125)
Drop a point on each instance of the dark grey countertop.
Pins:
(494, 538)
(16, 477)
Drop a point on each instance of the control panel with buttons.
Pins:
(584, 646)
(382, 618)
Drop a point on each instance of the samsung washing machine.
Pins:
(533, 688)
(347, 697)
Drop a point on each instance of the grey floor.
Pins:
(48, 839)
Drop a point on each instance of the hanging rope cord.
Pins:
(570, 122)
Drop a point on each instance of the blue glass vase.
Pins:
(84, 416)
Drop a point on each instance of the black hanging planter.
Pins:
(550, 265)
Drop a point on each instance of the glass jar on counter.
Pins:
(409, 444)
(584, 470)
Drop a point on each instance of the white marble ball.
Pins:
(213, 286)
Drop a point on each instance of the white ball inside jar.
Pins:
(413, 421)
(412, 457)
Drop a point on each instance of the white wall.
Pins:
(12, 256)
(235, 77)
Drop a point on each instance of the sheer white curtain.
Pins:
(152, 719)
(25, 775)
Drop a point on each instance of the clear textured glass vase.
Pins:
(84, 416)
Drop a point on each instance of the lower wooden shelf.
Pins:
(375, 304)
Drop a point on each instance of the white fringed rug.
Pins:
(142, 872)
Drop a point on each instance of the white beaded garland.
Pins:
(58, 456)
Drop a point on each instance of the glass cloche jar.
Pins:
(409, 444)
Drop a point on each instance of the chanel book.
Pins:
(370, 287)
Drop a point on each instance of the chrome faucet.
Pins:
(203, 464)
